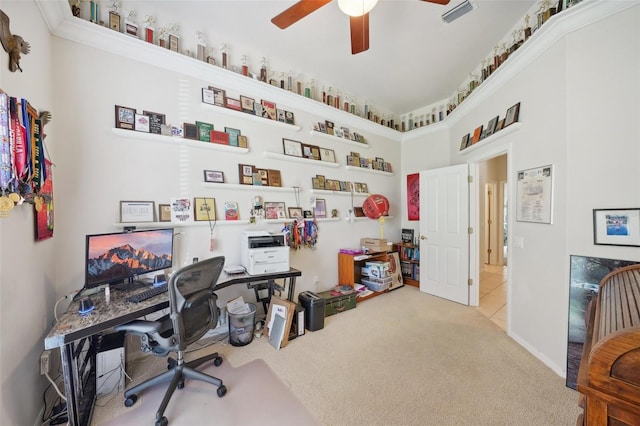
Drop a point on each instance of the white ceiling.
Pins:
(414, 59)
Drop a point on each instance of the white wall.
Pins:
(27, 271)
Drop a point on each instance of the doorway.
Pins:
(493, 220)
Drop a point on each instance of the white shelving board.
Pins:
(285, 157)
(250, 117)
(175, 140)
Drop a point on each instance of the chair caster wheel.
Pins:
(222, 391)
(162, 422)
(217, 361)
(181, 384)
(171, 363)
(130, 400)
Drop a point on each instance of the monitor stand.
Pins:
(129, 285)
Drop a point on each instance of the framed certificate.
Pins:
(137, 211)
(291, 147)
(327, 155)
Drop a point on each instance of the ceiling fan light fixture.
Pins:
(356, 7)
(461, 9)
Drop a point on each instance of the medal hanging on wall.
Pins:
(6, 156)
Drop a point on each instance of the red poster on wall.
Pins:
(413, 196)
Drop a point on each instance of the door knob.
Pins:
(422, 237)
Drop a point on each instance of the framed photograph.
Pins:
(248, 104)
(464, 143)
(213, 176)
(156, 120)
(274, 210)
(616, 227)
(289, 117)
(357, 187)
(315, 152)
(264, 176)
(307, 214)
(205, 208)
(295, 212)
(269, 110)
(280, 115)
(137, 211)
(190, 131)
(207, 96)
(322, 126)
(365, 188)
(164, 212)
(491, 126)
(477, 134)
(142, 123)
(219, 96)
(291, 147)
(274, 178)
(320, 208)
(500, 125)
(174, 42)
(232, 103)
(330, 127)
(512, 115)
(306, 151)
(125, 117)
(327, 155)
(246, 174)
(233, 135)
(534, 195)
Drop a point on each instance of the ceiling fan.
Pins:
(358, 11)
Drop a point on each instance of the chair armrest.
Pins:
(140, 326)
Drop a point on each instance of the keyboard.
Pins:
(148, 294)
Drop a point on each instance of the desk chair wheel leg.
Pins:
(181, 384)
(130, 400)
(162, 422)
(222, 391)
(217, 361)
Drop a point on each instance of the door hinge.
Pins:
(470, 281)
(470, 230)
(469, 178)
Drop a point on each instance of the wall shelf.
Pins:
(367, 170)
(180, 225)
(494, 137)
(237, 186)
(285, 157)
(330, 192)
(338, 140)
(250, 117)
(175, 140)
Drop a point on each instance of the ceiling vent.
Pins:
(463, 8)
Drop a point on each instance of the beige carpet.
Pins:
(256, 396)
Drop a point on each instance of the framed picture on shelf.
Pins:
(320, 208)
(114, 21)
(245, 174)
(291, 147)
(358, 212)
(142, 123)
(205, 208)
(125, 117)
(280, 115)
(327, 155)
(219, 96)
(315, 183)
(274, 210)
(464, 143)
(242, 141)
(264, 176)
(315, 152)
(477, 133)
(275, 179)
(233, 104)
(190, 131)
(322, 181)
(295, 212)
(164, 212)
(322, 126)
(156, 120)
(365, 188)
(512, 115)
(233, 135)
(207, 96)
(330, 127)
(137, 211)
(269, 110)
(204, 131)
(616, 227)
(213, 176)
(248, 104)
(500, 125)
(289, 117)
(306, 151)
(174, 42)
(491, 126)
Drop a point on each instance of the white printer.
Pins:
(264, 253)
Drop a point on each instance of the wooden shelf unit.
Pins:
(409, 255)
(349, 269)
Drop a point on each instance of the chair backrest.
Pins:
(192, 302)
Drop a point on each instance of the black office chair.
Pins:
(193, 312)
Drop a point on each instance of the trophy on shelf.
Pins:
(174, 38)
(94, 11)
(114, 16)
(245, 67)
(263, 70)
(225, 55)
(130, 25)
(527, 27)
(162, 37)
(211, 58)
(148, 30)
(202, 46)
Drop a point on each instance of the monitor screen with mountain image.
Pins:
(118, 258)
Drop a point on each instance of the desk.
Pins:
(79, 337)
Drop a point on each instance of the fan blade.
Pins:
(442, 2)
(297, 12)
(359, 33)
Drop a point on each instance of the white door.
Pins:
(444, 235)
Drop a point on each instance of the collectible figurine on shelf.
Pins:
(13, 44)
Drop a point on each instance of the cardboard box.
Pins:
(375, 244)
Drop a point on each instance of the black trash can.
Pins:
(241, 326)
(313, 310)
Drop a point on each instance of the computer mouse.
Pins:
(86, 305)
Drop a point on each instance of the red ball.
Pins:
(375, 206)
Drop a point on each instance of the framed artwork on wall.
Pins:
(616, 227)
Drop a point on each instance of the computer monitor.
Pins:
(118, 258)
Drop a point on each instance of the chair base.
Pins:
(176, 376)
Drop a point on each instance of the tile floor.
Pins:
(493, 294)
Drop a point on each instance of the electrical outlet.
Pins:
(45, 362)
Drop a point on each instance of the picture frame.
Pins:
(242, 141)
(233, 135)
(358, 212)
(125, 117)
(269, 110)
(174, 42)
(248, 104)
(275, 179)
(328, 155)
(164, 212)
(233, 104)
(114, 21)
(491, 126)
(534, 195)
(280, 115)
(190, 131)
(320, 208)
(315, 152)
(246, 174)
(264, 176)
(289, 118)
(330, 127)
(477, 133)
(307, 214)
(295, 212)
(500, 125)
(512, 115)
(208, 96)
(306, 151)
(214, 176)
(365, 188)
(322, 181)
(291, 147)
(204, 131)
(156, 120)
(142, 123)
(131, 28)
(137, 211)
(315, 183)
(219, 96)
(274, 210)
(464, 143)
(204, 209)
(616, 227)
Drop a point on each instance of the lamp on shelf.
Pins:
(356, 7)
